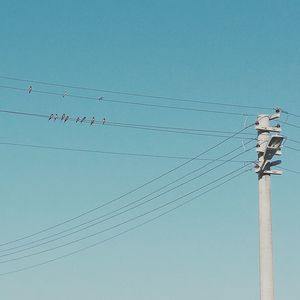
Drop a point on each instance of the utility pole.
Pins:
(268, 145)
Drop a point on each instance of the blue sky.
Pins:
(223, 51)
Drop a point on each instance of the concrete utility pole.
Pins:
(267, 146)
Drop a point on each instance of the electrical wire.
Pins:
(132, 94)
(292, 114)
(290, 124)
(292, 148)
(82, 249)
(14, 112)
(130, 102)
(289, 170)
(179, 128)
(294, 141)
(121, 208)
(177, 132)
(185, 131)
(121, 223)
(93, 151)
(129, 192)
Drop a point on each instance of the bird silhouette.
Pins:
(56, 116)
(63, 116)
(77, 120)
(92, 121)
(103, 121)
(66, 119)
(100, 98)
(30, 89)
(50, 117)
(83, 119)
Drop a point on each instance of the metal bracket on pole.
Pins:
(267, 146)
(272, 172)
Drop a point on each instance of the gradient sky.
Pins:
(225, 51)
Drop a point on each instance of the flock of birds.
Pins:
(65, 117)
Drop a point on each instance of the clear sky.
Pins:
(240, 52)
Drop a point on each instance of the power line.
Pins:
(289, 170)
(120, 233)
(105, 215)
(129, 102)
(180, 128)
(294, 141)
(35, 146)
(292, 114)
(132, 94)
(292, 148)
(175, 131)
(113, 213)
(23, 113)
(129, 192)
(290, 124)
(121, 223)
(167, 129)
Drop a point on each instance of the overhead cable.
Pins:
(116, 212)
(121, 223)
(289, 170)
(104, 122)
(292, 148)
(131, 94)
(130, 102)
(129, 192)
(82, 249)
(72, 149)
(290, 124)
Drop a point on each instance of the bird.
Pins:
(103, 121)
(56, 116)
(50, 117)
(92, 121)
(100, 98)
(66, 119)
(77, 120)
(83, 119)
(63, 116)
(30, 89)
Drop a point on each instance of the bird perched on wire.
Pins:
(63, 116)
(50, 117)
(30, 89)
(77, 119)
(55, 117)
(92, 121)
(103, 121)
(83, 119)
(66, 119)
